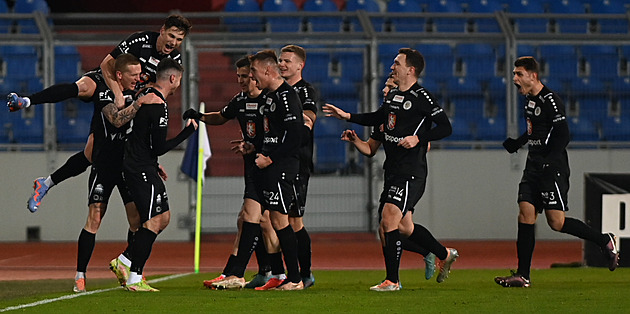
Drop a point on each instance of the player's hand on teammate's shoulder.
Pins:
(149, 99)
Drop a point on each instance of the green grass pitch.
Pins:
(558, 290)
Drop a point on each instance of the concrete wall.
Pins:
(471, 194)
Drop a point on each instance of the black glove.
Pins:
(511, 145)
(192, 114)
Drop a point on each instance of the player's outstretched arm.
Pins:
(332, 111)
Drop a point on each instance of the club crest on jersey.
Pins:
(398, 98)
(407, 105)
(154, 61)
(251, 129)
(537, 111)
(266, 124)
(531, 104)
(529, 127)
(391, 121)
(251, 106)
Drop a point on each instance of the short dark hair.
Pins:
(528, 63)
(124, 60)
(266, 55)
(414, 59)
(299, 51)
(168, 65)
(242, 62)
(180, 22)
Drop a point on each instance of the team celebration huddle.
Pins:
(277, 111)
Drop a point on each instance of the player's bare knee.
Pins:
(556, 225)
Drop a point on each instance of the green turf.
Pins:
(579, 290)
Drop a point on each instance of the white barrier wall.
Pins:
(471, 194)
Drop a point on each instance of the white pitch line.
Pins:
(76, 295)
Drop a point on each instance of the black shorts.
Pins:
(402, 191)
(148, 192)
(301, 188)
(250, 188)
(102, 182)
(275, 188)
(544, 189)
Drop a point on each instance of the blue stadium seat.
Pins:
(603, 60)
(439, 60)
(29, 6)
(485, 6)
(583, 129)
(616, 128)
(337, 88)
(28, 127)
(528, 25)
(462, 130)
(282, 24)
(367, 6)
(351, 65)
(73, 119)
(317, 66)
(406, 24)
(466, 99)
(386, 55)
(561, 61)
(243, 24)
(491, 129)
(67, 63)
(446, 24)
(5, 24)
(330, 151)
(323, 24)
(22, 62)
(527, 50)
(479, 60)
(617, 26)
(569, 25)
(592, 98)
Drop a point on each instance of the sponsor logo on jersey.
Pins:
(266, 124)
(163, 121)
(271, 140)
(537, 142)
(154, 61)
(531, 104)
(398, 98)
(158, 199)
(251, 106)
(391, 121)
(251, 129)
(392, 139)
(269, 101)
(98, 189)
(407, 105)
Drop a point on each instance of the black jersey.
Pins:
(109, 140)
(403, 114)
(147, 140)
(547, 130)
(143, 45)
(283, 123)
(309, 98)
(249, 113)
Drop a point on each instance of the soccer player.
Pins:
(109, 127)
(146, 142)
(545, 181)
(252, 226)
(278, 163)
(149, 47)
(407, 114)
(292, 61)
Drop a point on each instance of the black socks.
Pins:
(526, 240)
(55, 93)
(86, 247)
(74, 166)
